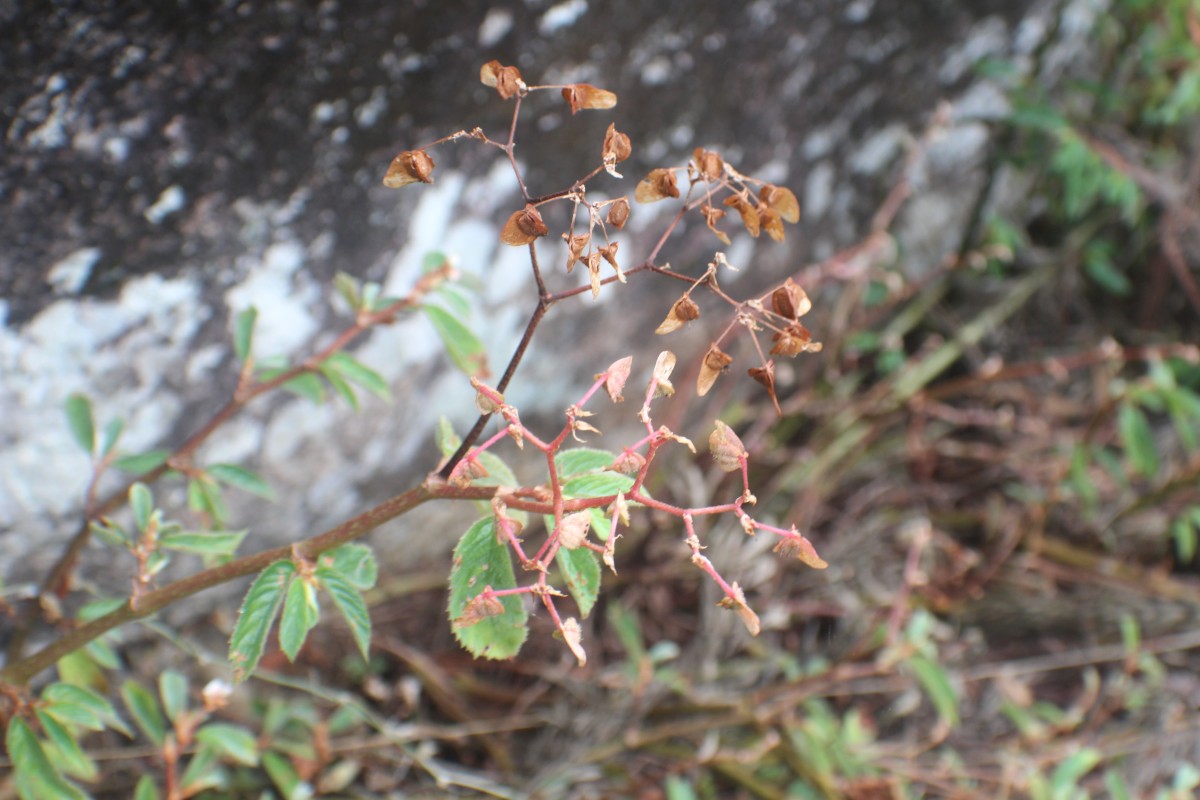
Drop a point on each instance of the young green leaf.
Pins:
(354, 562)
(285, 777)
(351, 605)
(348, 287)
(479, 561)
(142, 503)
(141, 463)
(68, 756)
(243, 333)
(307, 385)
(80, 669)
(300, 615)
(463, 347)
(144, 710)
(1138, 440)
(232, 741)
(204, 496)
(937, 686)
(1071, 770)
(216, 543)
(242, 478)
(258, 611)
(357, 372)
(146, 789)
(581, 570)
(81, 422)
(173, 689)
(201, 773)
(447, 440)
(340, 385)
(581, 460)
(35, 774)
(79, 705)
(112, 434)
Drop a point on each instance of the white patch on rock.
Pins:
(70, 274)
(818, 190)
(562, 15)
(987, 39)
(879, 150)
(284, 299)
(170, 201)
(495, 26)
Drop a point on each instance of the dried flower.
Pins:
(583, 95)
(683, 311)
(715, 362)
(657, 185)
(411, 166)
(523, 227)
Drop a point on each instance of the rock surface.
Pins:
(166, 167)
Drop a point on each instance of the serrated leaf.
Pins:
(81, 422)
(481, 561)
(215, 543)
(300, 615)
(351, 605)
(146, 789)
(33, 768)
(580, 460)
(112, 434)
(581, 571)
(232, 741)
(354, 562)
(463, 347)
(140, 463)
(601, 484)
(258, 611)
(243, 333)
(242, 478)
(69, 756)
(144, 710)
(937, 687)
(81, 706)
(142, 504)
(1138, 440)
(173, 689)
(359, 373)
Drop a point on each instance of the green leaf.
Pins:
(447, 440)
(937, 686)
(359, 373)
(464, 349)
(35, 774)
(354, 562)
(232, 741)
(258, 611)
(433, 260)
(602, 484)
(69, 757)
(284, 776)
(81, 422)
(142, 503)
(351, 604)
(81, 706)
(112, 434)
(146, 789)
(679, 789)
(1099, 266)
(581, 569)
(173, 689)
(340, 385)
(479, 561)
(78, 668)
(141, 463)
(1184, 534)
(204, 496)
(307, 385)
(201, 772)
(1069, 772)
(348, 287)
(580, 460)
(144, 710)
(241, 478)
(300, 614)
(457, 301)
(216, 543)
(243, 333)
(103, 654)
(1138, 440)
